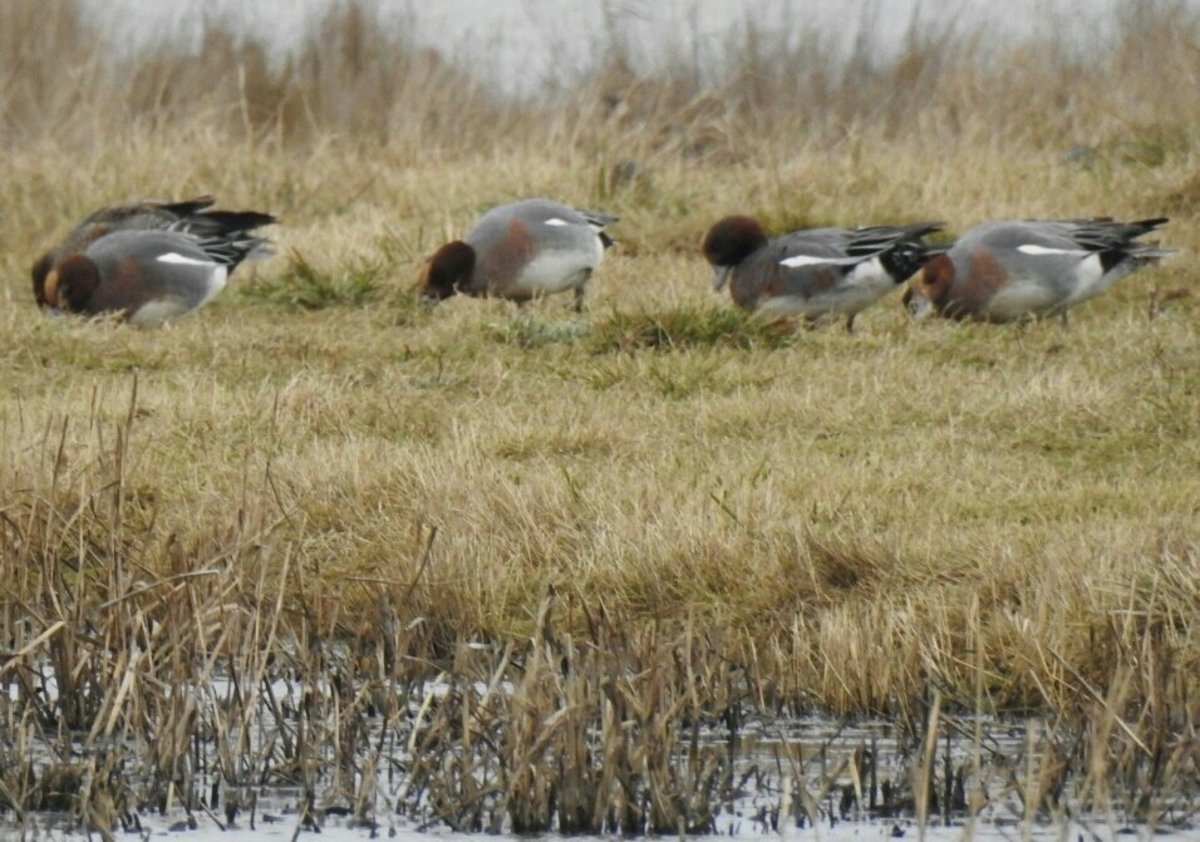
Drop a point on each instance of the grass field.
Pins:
(1008, 516)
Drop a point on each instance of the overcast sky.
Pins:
(521, 41)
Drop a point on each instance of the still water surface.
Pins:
(812, 748)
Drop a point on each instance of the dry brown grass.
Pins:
(1008, 516)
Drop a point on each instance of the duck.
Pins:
(1011, 270)
(521, 251)
(149, 277)
(813, 273)
(226, 236)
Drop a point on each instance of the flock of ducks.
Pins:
(153, 262)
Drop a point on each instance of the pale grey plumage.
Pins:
(1008, 270)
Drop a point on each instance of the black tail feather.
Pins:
(901, 250)
(230, 250)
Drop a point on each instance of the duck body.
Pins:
(1016, 269)
(203, 235)
(813, 273)
(520, 251)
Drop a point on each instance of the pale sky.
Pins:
(521, 41)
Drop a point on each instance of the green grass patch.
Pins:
(305, 286)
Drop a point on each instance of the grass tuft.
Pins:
(305, 286)
(687, 328)
(529, 332)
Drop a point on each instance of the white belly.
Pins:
(1021, 298)
(555, 271)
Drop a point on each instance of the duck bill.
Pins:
(919, 307)
(720, 277)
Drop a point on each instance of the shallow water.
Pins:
(285, 825)
(812, 748)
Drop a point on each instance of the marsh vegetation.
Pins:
(254, 543)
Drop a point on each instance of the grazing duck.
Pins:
(520, 251)
(226, 232)
(151, 277)
(1005, 271)
(816, 272)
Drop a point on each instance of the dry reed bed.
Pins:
(209, 686)
(1004, 517)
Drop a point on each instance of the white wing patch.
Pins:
(556, 222)
(180, 260)
(803, 260)
(798, 260)
(1043, 250)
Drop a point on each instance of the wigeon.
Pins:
(191, 216)
(521, 251)
(816, 272)
(149, 276)
(1004, 271)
